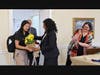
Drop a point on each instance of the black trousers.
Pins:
(30, 56)
(68, 62)
(51, 61)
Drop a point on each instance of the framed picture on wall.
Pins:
(78, 23)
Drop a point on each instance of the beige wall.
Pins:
(4, 32)
(4, 28)
(64, 18)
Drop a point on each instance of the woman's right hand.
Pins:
(29, 49)
(74, 39)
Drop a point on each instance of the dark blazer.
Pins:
(49, 44)
(33, 31)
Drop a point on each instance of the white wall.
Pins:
(64, 18)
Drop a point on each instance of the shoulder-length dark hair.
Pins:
(50, 24)
(22, 25)
(89, 24)
(77, 31)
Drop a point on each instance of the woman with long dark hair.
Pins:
(21, 57)
(48, 44)
(79, 44)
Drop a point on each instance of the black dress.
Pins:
(79, 51)
(80, 48)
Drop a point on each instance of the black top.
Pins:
(80, 48)
(48, 44)
(21, 37)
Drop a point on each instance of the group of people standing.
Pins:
(23, 55)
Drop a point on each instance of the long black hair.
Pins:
(89, 24)
(50, 24)
(22, 25)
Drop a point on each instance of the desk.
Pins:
(92, 51)
(85, 60)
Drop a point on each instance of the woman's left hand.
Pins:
(36, 48)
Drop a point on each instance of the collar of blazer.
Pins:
(44, 36)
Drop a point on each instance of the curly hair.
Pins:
(50, 24)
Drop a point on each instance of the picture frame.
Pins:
(78, 23)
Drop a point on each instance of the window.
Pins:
(35, 23)
(16, 24)
(37, 17)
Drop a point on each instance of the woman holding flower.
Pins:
(48, 44)
(21, 57)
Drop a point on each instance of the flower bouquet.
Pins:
(29, 41)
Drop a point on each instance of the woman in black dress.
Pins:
(81, 42)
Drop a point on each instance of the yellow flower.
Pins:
(30, 36)
(31, 39)
(26, 38)
(26, 41)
